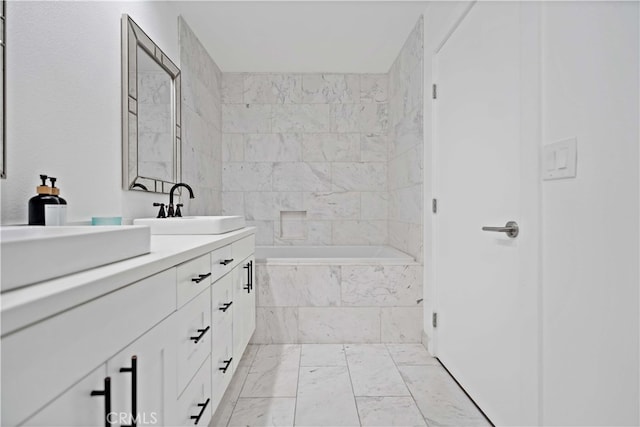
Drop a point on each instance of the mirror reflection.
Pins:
(155, 122)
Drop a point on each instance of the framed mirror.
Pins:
(151, 125)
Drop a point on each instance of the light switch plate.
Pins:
(560, 159)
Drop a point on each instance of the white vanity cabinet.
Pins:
(244, 315)
(161, 350)
(193, 337)
(222, 358)
(44, 360)
(139, 374)
(76, 407)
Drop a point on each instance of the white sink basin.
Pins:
(193, 224)
(32, 254)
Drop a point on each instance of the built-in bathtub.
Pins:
(337, 294)
(332, 255)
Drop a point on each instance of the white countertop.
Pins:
(25, 306)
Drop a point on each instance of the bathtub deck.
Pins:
(343, 385)
(332, 255)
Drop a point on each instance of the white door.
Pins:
(480, 181)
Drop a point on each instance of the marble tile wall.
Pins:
(312, 143)
(338, 304)
(201, 125)
(405, 164)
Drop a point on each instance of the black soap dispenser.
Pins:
(62, 210)
(37, 214)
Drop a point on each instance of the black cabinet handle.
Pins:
(200, 277)
(226, 365)
(197, 417)
(225, 306)
(226, 261)
(134, 390)
(199, 337)
(107, 400)
(249, 285)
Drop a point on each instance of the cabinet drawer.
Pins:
(243, 248)
(76, 407)
(41, 361)
(196, 399)
(222, 306)
(222, 261)
(193, 337)
(222, 366)
(193, 277)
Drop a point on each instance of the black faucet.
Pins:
(170, 211)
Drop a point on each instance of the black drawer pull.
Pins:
(107, 400)
(134, 390)
(199, 337)
(200, 277)
(197, 417)
(226, 365)
(226, 261)
(225, 306)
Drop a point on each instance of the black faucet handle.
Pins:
(161, 213)
(178, 211)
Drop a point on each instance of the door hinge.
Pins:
(434, 320)
(434, 205)
(434, 91)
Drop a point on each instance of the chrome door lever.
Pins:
(511, 228)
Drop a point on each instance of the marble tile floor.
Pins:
(343, 385)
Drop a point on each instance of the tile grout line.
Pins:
(415, 402)
(295, 405)
(243, 383)
(355, 401)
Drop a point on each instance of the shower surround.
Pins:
(305, 156)
(328, 159)
(331, 160)
(406, 148)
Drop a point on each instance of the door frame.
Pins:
(440, 23)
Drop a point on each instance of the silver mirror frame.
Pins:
(133, 37)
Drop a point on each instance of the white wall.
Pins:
(590, 230)
(63, 103)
